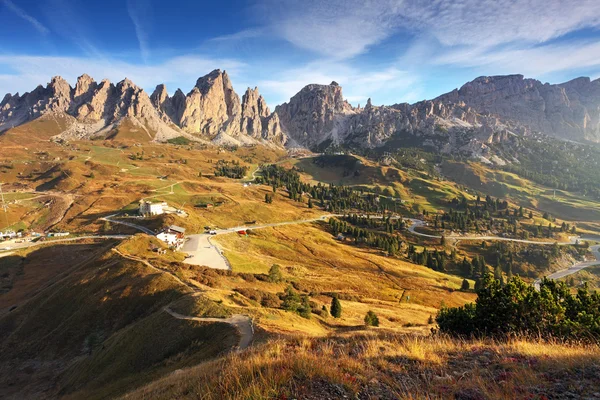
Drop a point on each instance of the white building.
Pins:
(7, 235)
(174, 236)
(150, 208)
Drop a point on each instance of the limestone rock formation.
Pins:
(315, 114)
(569, 110)
(486, 111)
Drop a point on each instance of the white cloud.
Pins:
(138, 11)
(358, 84)
(22, 14)
(531, 61)
(245, 34)
(345, 28)
(176, 72)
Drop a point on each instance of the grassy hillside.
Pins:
(390, 366)
(94, 326)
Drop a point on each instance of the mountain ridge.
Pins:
(485, 110)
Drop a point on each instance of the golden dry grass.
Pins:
(388, 366)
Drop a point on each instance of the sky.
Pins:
(392, 51)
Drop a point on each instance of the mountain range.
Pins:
(483, 111)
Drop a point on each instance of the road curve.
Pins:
(129, 224)
(242, 323)
(204, 252)
(73, 239)
(574, 268)
(418, 223)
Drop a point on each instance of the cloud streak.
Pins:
(345, 28)
(358, 85)
(22, 14)
(138, 12)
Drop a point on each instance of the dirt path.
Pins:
(159, 270)
(242, 323)
(73, 239)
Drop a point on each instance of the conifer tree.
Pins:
(371, 319)
(336, 307)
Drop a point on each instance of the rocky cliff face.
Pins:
(485, 111)
(315, 114)
(570, 110)
(318, 116)
(211, 109)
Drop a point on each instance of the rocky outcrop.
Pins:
(314, 114)
(570, 110)
(486, 111)
(211, 109)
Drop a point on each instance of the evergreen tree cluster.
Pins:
(333, 198)
(517, 308)
(230, 169)
(379, 240)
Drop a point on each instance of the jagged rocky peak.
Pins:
(160, 95)
(253, 104)
(84, 88)
(569, 110)
(311, 114)
(254, 113)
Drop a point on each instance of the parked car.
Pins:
(213, 232)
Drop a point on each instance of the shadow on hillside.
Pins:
(87, 308)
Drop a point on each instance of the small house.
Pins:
(148, 208)
(174, 236)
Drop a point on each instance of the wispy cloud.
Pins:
(534, 61)
(345, 28)
(22, 14)
(358, 84)
(139, 11)
(245, 34)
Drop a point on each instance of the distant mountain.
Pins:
(484, 111)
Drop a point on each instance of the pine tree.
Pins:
(371, 319)
(465, 285)
(291, 300)
(305, 309)
(336, 307)
(275, 274)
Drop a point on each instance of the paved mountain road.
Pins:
(574, 268)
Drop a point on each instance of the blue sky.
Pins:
(390, 50)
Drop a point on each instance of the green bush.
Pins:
(517, 308)
(371, 319)
(179, 140)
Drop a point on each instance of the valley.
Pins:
(266, 238)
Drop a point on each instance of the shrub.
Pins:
(275, 275)
(517, 308)
(371, 319)
(336, 307)
(465, 285)
(270, 300)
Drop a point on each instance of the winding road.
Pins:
(204, 252)
(574, 268)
